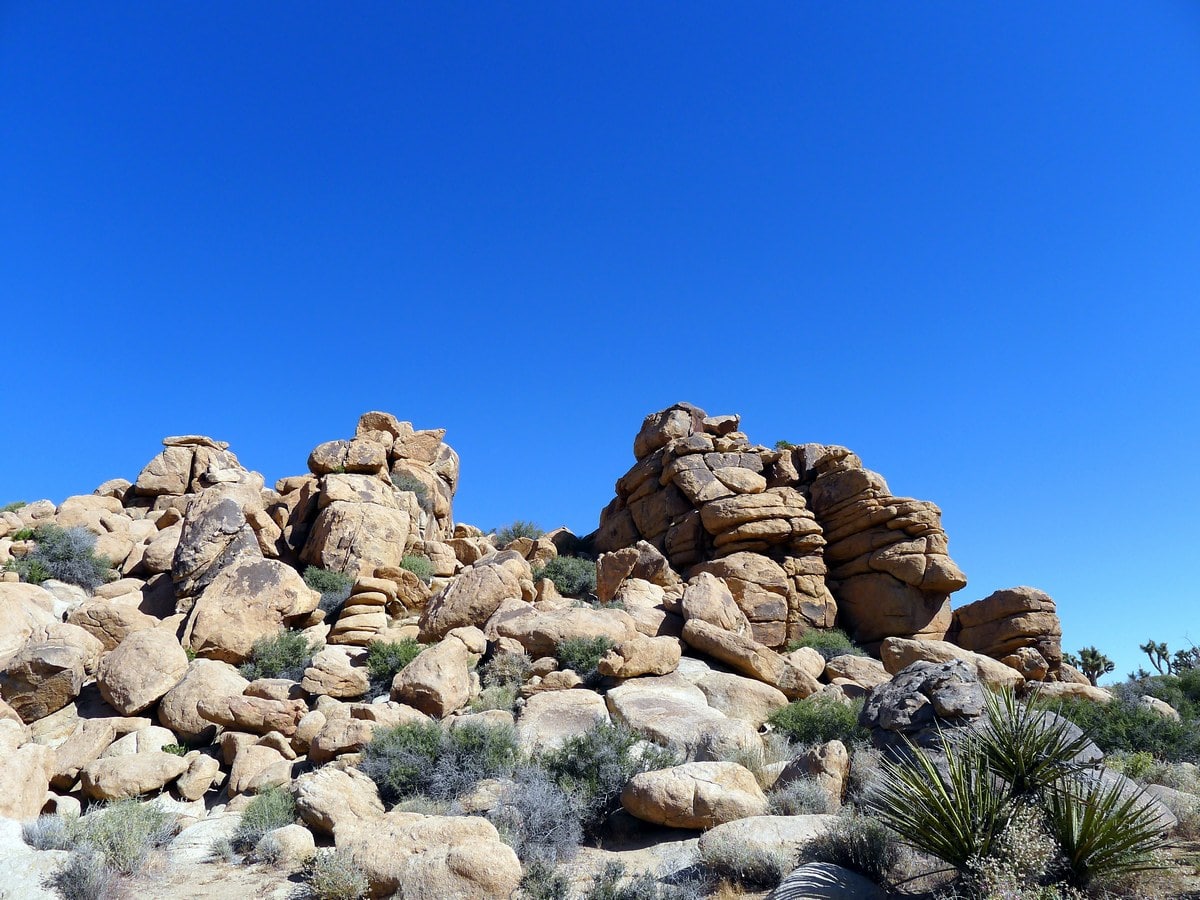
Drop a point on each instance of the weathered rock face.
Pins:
(888, 562)
(1017, 622)
(694, 795)
(43, 678)
(142, 669)
(703, 495)
(923, 701)
(472, 597)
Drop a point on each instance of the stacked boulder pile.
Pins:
(715, 554)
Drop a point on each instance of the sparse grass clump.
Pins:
(582, 655)
(86, 876)
(110, 843)
(333, 875)
(574, 576)
(385, 659)
(421, 566)
(506, 534)
(48, 833)
(272, 808)
(829, 643)
(425, 760)
(820, 720)
(751, 867)
(285, 655)
(801, 797)
(857, 843)
(334, 587)
(65, 554)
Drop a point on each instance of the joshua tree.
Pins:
(1093, 663)
(1160, 656)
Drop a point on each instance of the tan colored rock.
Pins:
(86, 744)
(709, 599)
(24, 608)
(205, 679)
(251, 599)
(749, 658)
(759, 837)
(862, 670)
(898, 653)
(540, 631)
(199, 776)
(167, 473)
(1029, 662)
(1054, 690)
(121, 777)
(695, 795)
(254, 714)
(340, 736)
(142, 669)
(1162, 708)
(1008, 620)
(288, 848)
(24, 780)
(670, 711)
(475, 595)
(43, 678)
(827, 764)
(641, 656)
(251, 762)
(808, 660)
(332, 673)
(741, 698)
(110, 623)
(329, 799)
(160, 549)
(1071, 675)
(433, 856)
(551, 718)
(357, 537)
(214, 536)
(441, 679)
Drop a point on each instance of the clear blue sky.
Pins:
(962, 239)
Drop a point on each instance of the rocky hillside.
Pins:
(254, 642)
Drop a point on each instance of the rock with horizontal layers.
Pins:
(442, 678)
(898, 653)
(142, 669)
(475, 595)
(122, 777)
(695, 795)
(432, 856)
(204, 679)
(1009, 620)
(750, 658)
(251, 599)
(330, 798)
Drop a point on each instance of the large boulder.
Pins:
(122, 777)
(251, 599)
(215, 533)
(142, 669)
(551, 718)
(825, 881)
(750, 658)
(757, 836)
(477, 592)
(1010, 620)
(205, 679)
(899, 653)
(441, 679)
(330, 798)
(541, 630)
(43, 678)
(259, 715)
(671, 711)
(24, 608)
(695, 795)
(24, 776)
(363, 529)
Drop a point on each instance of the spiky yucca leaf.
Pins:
(1026, 746)
(1101, 832)
(956, 816)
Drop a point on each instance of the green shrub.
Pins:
(66, 554)
(537, 819)
(424, 760)
(22, 534)
(334, 875)
(13, 507)
(582, 656)
(272, 808)
(819, 720)
(829, 643)
(126, 832)
(410, 484)
(801, 797)
(1134, 765)
(542, 882)
(858, 843)
(385, 659)
(594, 767)
(497, 697)
(334, 587)
(574, 576)
(175, 749)
(420, 566)
(506, 670)
(506, 534)
(749, 865)
(1125, 726)
(286, 655)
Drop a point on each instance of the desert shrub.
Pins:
(425, 760)
(801, 797)
(67, 554)
(858, 843)
(865, 765)
(506, 534)
(334, 587)
(582, 655)
(421, 566)
(334, 875)
(829, 643)
(1177, 776)
(386, 658)
(819, 720)
(272, 808)
(1120, 725)
(613, 884)
(86, 876)
(574, 576)
(537, 819)
(13, 507)
(496, 697)
(48, 833)
(749, 866)
(175, 749)
(410, 484)
(505, 670)
(542, 882)
(1020, 859)
(1136, 765)
(22, 534)
(284, 655)
(773, 748)
(125, 832)
(594, 767)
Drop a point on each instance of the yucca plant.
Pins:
(956, 815)
(1029, 748)
(1102, 832)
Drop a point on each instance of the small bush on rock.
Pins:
(286, 655)
(802, 797)
(385, 659)
(582, 656)
(819, 720)
(572, 575)
(410, 484)
(749, 866)
(272, 808)
(508, 533)
(334, 587)
(857, 843)
(829, 643)
(66, 554)
(421, 566)
(334, 875)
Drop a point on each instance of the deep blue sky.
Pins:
(962, 239)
